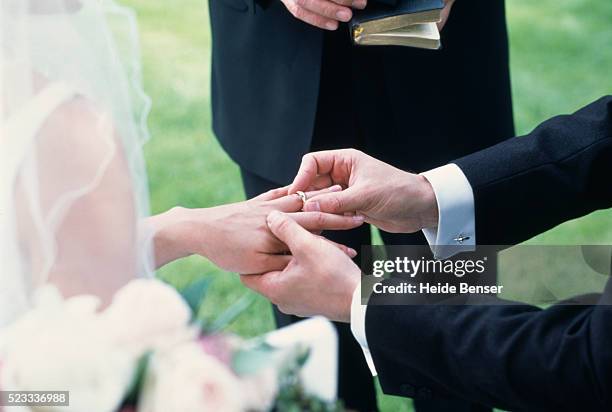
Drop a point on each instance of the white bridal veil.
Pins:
(72, 178)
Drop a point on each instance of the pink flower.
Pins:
(185, 378)
(220, 346)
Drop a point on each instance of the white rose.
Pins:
(60, 346)
(261, 389)
(187, 379)
(148, 314)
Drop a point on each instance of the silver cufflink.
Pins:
(461, 238)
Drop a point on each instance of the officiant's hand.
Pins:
(319, 279)
(448, 5)
(389, 198)
(324, 14)
(236, 237)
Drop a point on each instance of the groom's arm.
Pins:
(518, 188)
(514, 357)
(526, 185)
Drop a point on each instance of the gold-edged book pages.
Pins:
(421, 35)
(408, 29)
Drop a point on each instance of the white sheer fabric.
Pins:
(72, 177)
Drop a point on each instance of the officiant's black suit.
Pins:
(282, 88)
(515, 357)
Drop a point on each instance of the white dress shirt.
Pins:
(456, 231)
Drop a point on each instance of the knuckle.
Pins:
(177, 210)
(328, 9)
(291, 6)
(308, 161)
(271, 296)
(336, 203)
(276, 297)
(276, 193)
(299, 12)
(283, 225)
(355, 152)
(269, 292)
(283, 309)
(319, 219)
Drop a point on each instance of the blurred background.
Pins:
(561, 54)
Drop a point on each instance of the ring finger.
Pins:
(294, 203)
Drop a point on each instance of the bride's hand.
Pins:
(236, 237)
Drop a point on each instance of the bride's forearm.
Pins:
(175, 235)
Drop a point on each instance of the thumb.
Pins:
(336, 202)
(289, 232)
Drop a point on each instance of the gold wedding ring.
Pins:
(302, 196)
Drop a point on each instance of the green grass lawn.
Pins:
(561, 60)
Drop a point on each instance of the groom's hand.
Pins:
(389, 198)
(319, 280)
(324, 14)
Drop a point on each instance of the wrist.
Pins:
(428, 210)
(352, 288)
(174, 234)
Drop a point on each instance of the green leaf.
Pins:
(195, 293)
(138, 379)
(231, 313)
(302, 356)
(251, 359)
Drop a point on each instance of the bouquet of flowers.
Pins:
(147, 352)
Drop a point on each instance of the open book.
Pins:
(408, 23)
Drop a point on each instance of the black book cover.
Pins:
(377, 11)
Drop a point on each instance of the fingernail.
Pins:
(312, 206)
(343, 15)
(359, 218)
(352, 252)
(331, 25)
(335, 188)
(359, 4)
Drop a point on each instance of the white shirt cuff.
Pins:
(456, 231)
(358, 315)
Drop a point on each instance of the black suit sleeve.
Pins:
(514, 356)
(527, 185)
